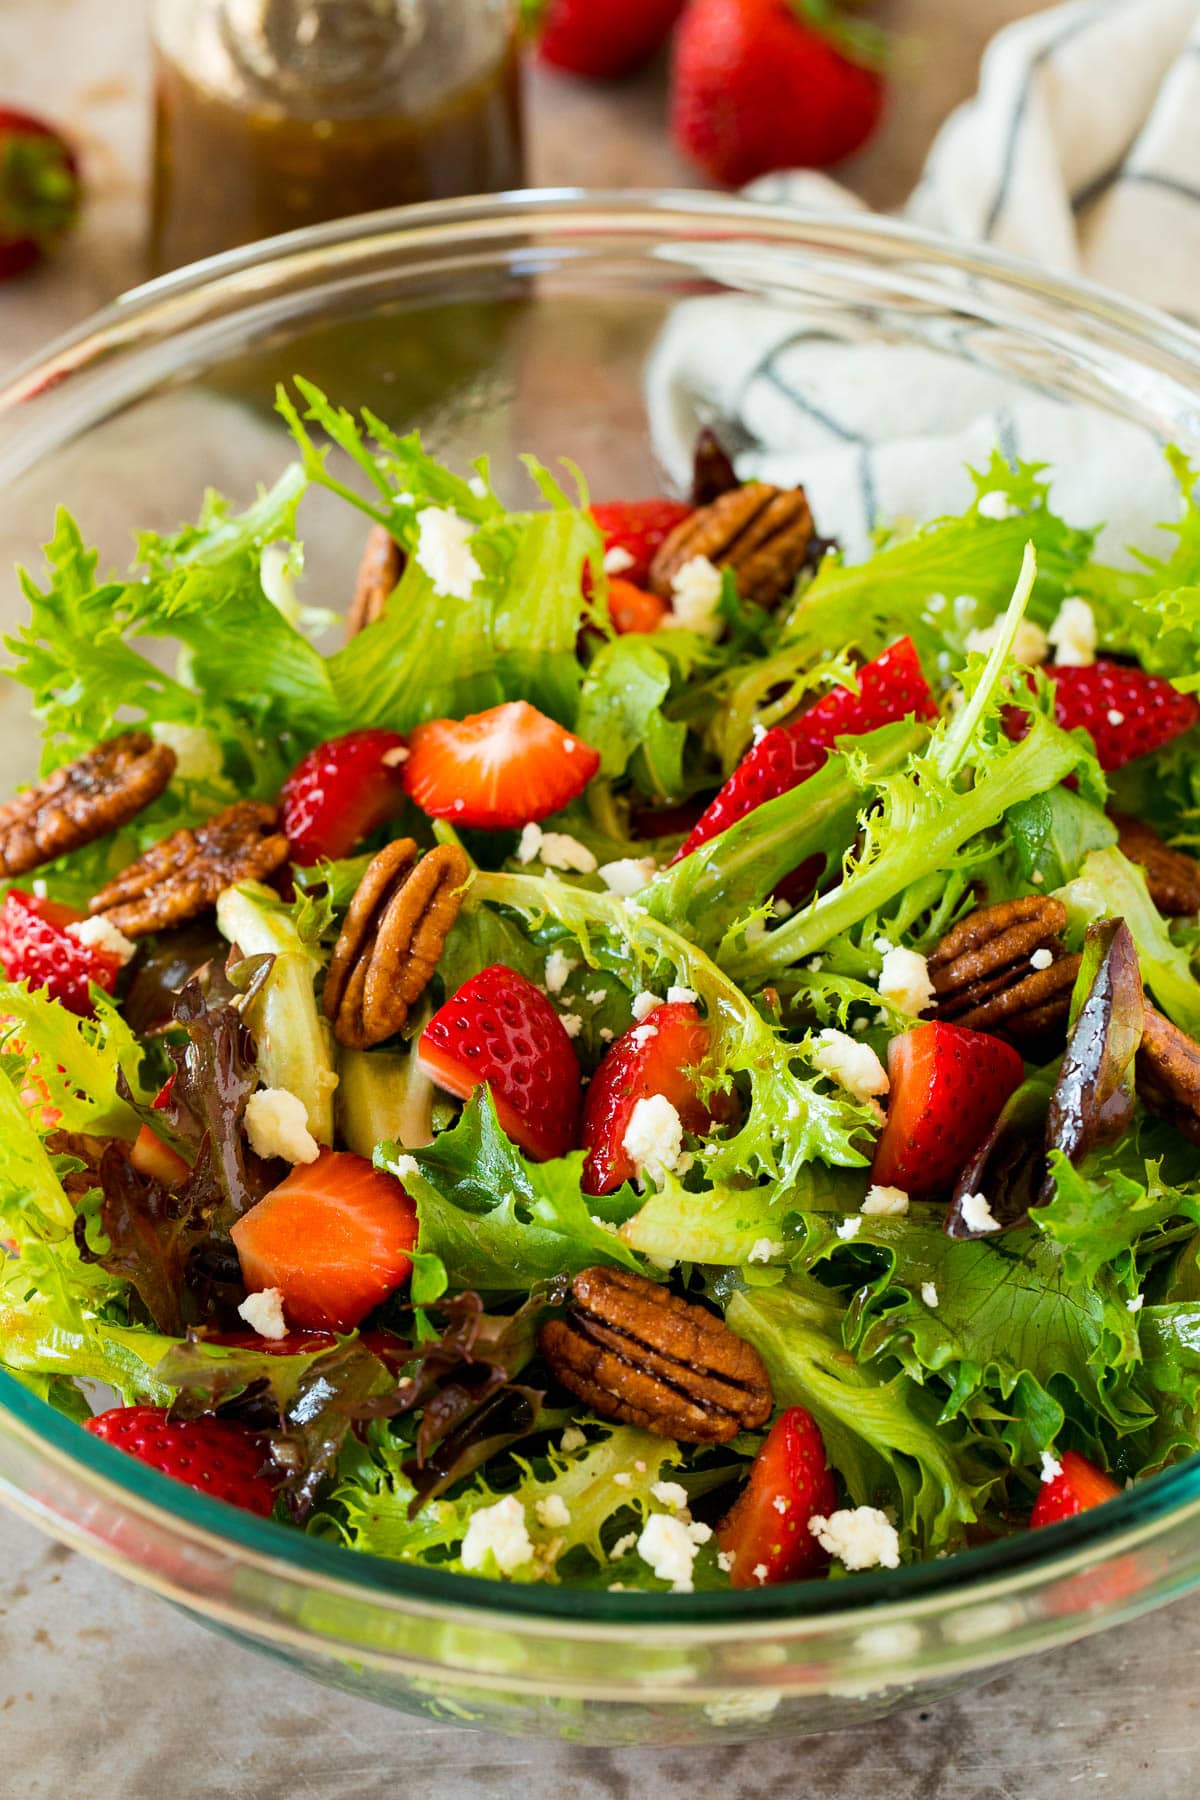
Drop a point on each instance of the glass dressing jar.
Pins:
(273, 114)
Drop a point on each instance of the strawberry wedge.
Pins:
(948, 1086)
(1078, 1486)
(664, 1055)
(341, 792)
(1128, 712)
(890, 688)
(766, 1530)
(497, 769)
(634, 532)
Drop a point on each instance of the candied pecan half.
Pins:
(984, 978)
(391, 939)
(381, 567)
(632, 1350)
(760, 532)
(181, 877)
(83, 800)
(1168, 1074)
(1172, 878)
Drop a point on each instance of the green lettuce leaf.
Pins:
(1109, 886)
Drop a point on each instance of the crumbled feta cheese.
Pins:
(1041, 959)
(559, 969)
(596, 996)
(696, 597)
(853, 1066)
(977, 1215)
(617, 559)
(1115, 716)
(672, 1494)
(653, 1136)
(443, 551)
(641, 1034)
(681, 996)
(760, 1573)
(478, 487)
(724, 1561)
(995, 505)
(498, 1531)
(1051, 1467)
(1037, 878)
(571, 1023)
(101, 934)
(277, 1125)
(668, 1547)
(904, 981)
(698, 1531)
(780, 1504)
(783, 909)
(552, 1511)
(530, 844)
(623, 1546)
(763, 1249)
(572, 1439)
(403, 1166)
(758, 732)
(885, 1202)
(628, 875)
(198, 755)
(644, 1004)
(929, 1293)
(559, 850)
(850, 1228)
(263, 1312)
(623, 1479)
(606, 1034)
(1030, 645)
(861, 1537)
(1136, 1304)
(1073, 634)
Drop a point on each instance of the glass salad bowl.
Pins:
(872, 360)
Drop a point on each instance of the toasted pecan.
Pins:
(83, 800)
(381, 567)
(632, 1350)
(984, 978)
(181, 877)
(1168, 1074)
(391, 939)
(760, 532)
(1172, 878)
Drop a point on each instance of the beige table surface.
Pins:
(106, 1693)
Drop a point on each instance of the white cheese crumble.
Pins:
(641, 1034)
(572, 1439)
(498, 1531)
(850, 1228)
(681, 996)
(853, 1066)
(760, 1573)
(763, 1249)
(277, 1125)
(696, 597)
(977, 1215)
(861, 1537)
(627, 875)
(995, 505)
(904, 981)
(724, 1561)
(263, 1312)
(1030, 645)
(1136, 1304)
(530, 844)
(929, 1293)
(553, 1511)
(101, 934)
(1051, 1467)
(617, 559)
(669, 1548)
(596, 996)
(1115, 716)
(443, 551)
(403, 1166)
(654, 1136)
(572, 1023)
(623, 1546)
(623, 1479)
(198, 755)
(559, 850)
(672, 1494)
(559, 969)
(1073, 634)
(644, 1004)
(885, 1202)
(1042, 959)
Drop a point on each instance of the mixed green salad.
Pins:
(666, 1061)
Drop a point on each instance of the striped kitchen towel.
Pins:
(1080, 151)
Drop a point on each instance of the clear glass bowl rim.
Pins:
(1095, 318)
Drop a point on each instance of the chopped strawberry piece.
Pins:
(342, 791)
(948, 1087)
(638, 529)
(151, 1157)
(35, 946)
(633, 609)
(499, 1029)
(1079, 1486)
(1128, 712)
(766, 1529)
(212, 1455)
(333, 1237)
(664, 1055)
(497, 769)
(890, 688)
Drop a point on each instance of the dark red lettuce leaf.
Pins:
(1093, 1099)
(1010, 1164)
(151, 1232)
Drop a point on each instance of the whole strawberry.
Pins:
(603, 38)
(39, 190)
(212, 1455)
(756, 88)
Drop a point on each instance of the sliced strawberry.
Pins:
(151, 1157)
(39, 190)
(341, 792)
(639, 529)
(212, 1455)
(890, 688)
(948, 1086)
(766, 1529)
(1080, 1485)
(497, 769)
(632, 608)
(333, 1237)
(499, 1029)
(664, 1055)
(35, 946)
(1128, 712)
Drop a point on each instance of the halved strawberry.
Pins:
(1128, 712)
(1079, 1486)
(342, 791)
(151, 1157)
(212, 1455)
(948, 1086)
(633, 608)
(497, 769)
(766, 1529)
(499, 1029)
(333, 1237)
(35, 946)
(665, 1054)
(639, 529)
(890, 688)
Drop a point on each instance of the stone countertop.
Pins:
(107, 1692)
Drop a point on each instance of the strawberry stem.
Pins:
(39, 189)
(857, 39)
